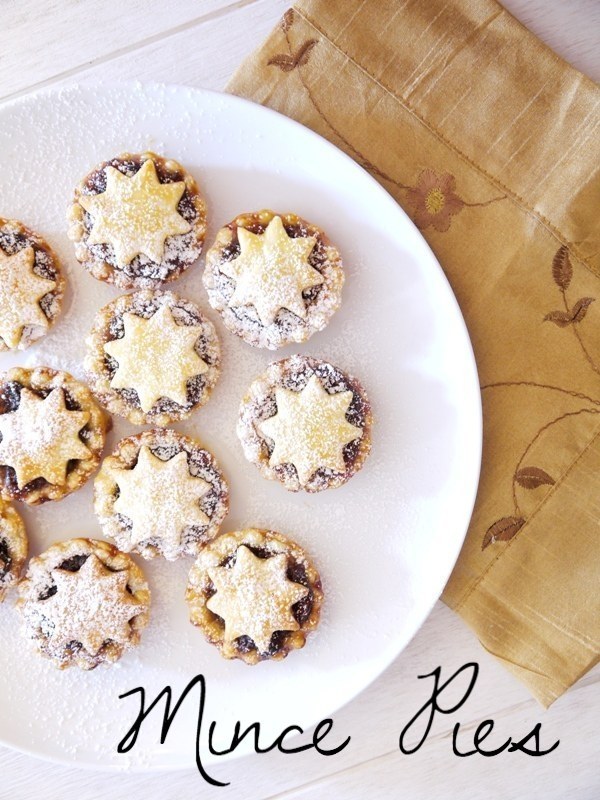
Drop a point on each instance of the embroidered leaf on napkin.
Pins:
(562, 270)
(287, 63)
(532, 477)
(502, 530)
(580, 308)
(576, 314)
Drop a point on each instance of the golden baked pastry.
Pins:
(13, 547)
(160, 493)
(31, 286)
(254, 594)
(137, 220)
(274, 278)
(51, 434)
(306, 423)
(152, 357)
(83, 603)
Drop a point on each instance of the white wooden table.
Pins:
(200, 43)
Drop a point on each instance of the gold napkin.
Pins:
(490, 142)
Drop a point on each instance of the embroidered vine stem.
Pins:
(485, 202)
(364, 161)
(360, 157)
(298, 60)
(532, 384)
(527, 450)
(432, 200)
(544, 428)
(526, 475)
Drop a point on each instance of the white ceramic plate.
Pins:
(385, 543)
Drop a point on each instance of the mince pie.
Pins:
(31, 286)
(306, 423)
(274, 278)
(137, 220)
(160, 493)
(83, 603)
(13, 547)
(254, 594)
(51, 434)
(152, 357)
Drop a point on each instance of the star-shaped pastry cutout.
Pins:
(310, 429)
(272, 271)
(20, 292)
(41, 437)
(255, 597)
(156, 357)
(160, 498)
(90, 606)
(135, 214)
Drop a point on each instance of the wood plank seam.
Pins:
(114, 54)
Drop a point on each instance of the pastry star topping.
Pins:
(90, 606)
(310, 429)
(160, 498)
(156, 357)
(41, 437)
(135, 214)
(255, 597)
(20, 292)
(272, 271)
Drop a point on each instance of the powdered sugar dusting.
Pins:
(155, 235)
(191, 523)
(277, 424)
(254, 594)
(152, 357)
(255, 598)
(264, 312)
(90, 606)
(83, 603)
